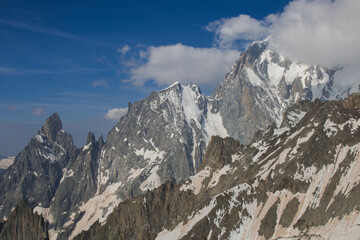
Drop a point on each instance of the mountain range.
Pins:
(298, 181)
(163, 138)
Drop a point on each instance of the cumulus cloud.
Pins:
(319, 32)
(324, 32)
(124, 49)
(115, 113)
(99, 83)
(228, 31)
(37, 111)
(185, 64)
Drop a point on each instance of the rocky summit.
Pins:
(299, 181)
(163, 138)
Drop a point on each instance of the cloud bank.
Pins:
(115, 113)
(168, 64)
(320, 32)
(229, 31)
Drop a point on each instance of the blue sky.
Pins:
(87, 59)
(74, 57)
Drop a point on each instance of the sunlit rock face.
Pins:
(298, 181)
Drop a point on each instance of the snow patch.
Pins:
(262, 146)
(39, 138)
(214, 126)
(150, 155)
(50, 156)
(272, 163)
(296, 71)
(189, 103)
(275, 73)
(295, 118)
(353, 124)
(152, 181)
(253, 78)
(279, 131)
(45, 212)
(330, 128)
(134, 173)
(305, 174)
(87, 146)
(196, 181)
(218, 173)
(97, 208)
(350, 177)
(66, 174)
(235, 157)
(346, 227)
(305, 139)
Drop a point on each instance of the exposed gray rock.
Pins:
(262, 84)
(51, 127)
(295, 183)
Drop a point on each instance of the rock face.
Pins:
(300, 182)
(162, 138)
(22, 223)
(263, 83)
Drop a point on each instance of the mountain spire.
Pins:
(52, 126)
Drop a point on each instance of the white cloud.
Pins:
(124, 49)
(115, 113)
(38, 111)
(185, 64)
(99, 83)
(228, 31)
(319, 32)
(324, 32)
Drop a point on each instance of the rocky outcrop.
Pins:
(22, 223)
(219, 151)
(52, 127)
